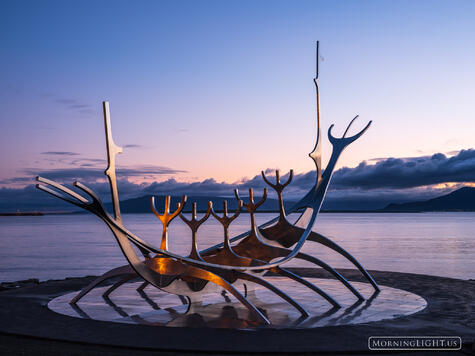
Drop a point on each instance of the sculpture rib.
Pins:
(319, 238)
(277, 291)
(124, 280)
(119, 271)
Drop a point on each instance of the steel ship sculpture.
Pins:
(244, 258)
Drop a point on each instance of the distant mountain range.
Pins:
(462, 199)
(142, 204)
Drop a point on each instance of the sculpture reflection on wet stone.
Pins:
(243, 258)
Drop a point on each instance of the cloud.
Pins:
(351, 198)
(90, 175)
(390, 180)
(210, 187)
(60, 153)
(73, 104)
(133, 146)
(452, 153)
(90, 161)
(398, 173)
(30, 199)
(378, 159)
(365, 186)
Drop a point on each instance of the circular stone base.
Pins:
(221, 310)
(450, 311)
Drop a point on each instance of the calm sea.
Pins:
(59, 246)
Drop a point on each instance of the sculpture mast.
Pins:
(112, 150)
(316, 153)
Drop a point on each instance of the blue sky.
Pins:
(223, 89)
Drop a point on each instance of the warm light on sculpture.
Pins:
(243, 258)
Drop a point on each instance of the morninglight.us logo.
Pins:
(427, 343)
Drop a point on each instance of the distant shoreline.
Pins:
(35, 213)
(257, 212)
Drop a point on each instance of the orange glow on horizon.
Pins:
(452, 185)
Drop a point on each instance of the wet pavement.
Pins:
(221, 310)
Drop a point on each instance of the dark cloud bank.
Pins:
(390, 180)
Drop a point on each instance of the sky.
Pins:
(206, 94)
